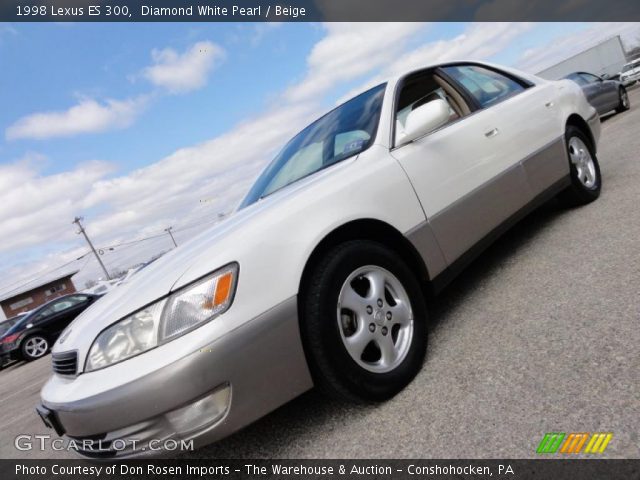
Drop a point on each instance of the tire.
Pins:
(34, 347)
(623, 104)
(586, 181)
(345, 374)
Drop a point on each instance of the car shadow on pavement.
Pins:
(286, 430)
(13, 365)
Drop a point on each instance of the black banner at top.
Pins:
(317, 10)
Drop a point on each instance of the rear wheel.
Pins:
(586, 181)
(364, 322)
(624, 103)
(34, 347)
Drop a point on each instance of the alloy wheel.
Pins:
(36, 347)
(583, 161)
(375, 319)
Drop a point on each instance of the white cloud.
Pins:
(88, 116)
(564, 46)
(349, 51)
(478, 42)
(183, 72)
(169, 192)
(37, 209)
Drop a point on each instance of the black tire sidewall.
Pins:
(329, 360)
(583, 193)
(621, 106)
(23, 349)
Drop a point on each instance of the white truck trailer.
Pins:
(604, 59)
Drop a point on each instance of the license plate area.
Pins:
(50, 419)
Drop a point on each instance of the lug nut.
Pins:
(384, 330)
(372, 327)
(388, 315)
(369, 309)
(379, 302)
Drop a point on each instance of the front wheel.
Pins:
(584, 169)
(363, 322)
(624, 103)
(34, 347)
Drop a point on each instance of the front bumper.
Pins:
(205, 396)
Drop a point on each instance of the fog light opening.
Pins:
(201, 413)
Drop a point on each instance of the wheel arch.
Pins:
(577, 121)
(367, 229)
(31, 332)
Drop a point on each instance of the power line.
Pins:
(150, 237)
(22, 283)
(42, 273)
(132, 242)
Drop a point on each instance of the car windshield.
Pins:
(345, 131)
(631, 66)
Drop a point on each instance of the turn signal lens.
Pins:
(198, 303)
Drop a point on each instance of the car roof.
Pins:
(392, 80)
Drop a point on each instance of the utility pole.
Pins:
(168, 230)
(78, 221)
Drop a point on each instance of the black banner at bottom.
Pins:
(197, 469)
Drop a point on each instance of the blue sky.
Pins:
(141, 126)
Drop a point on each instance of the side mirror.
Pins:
(425, 119)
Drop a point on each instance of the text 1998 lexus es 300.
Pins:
(322, 274)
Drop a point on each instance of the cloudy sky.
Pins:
(140, 127)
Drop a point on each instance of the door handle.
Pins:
(492, 133)
(549, 104)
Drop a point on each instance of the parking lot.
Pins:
(539, 335)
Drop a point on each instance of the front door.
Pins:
(469, 174)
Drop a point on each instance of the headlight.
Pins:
(166, 319)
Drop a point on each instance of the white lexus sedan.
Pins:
(323, 275)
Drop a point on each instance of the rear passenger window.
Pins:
(486, 86)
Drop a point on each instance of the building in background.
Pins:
(34, 294)
(604, 59)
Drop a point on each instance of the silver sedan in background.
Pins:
(604, 95)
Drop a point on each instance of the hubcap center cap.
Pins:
(378, 317)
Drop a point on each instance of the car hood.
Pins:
(212, 249)
(152, 283)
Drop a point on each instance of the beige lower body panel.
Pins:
(449, 234)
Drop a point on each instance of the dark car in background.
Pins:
(604, 95)
(4, 326)
(31, 336)
(10, 322)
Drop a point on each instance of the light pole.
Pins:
(168, 230)
(78, 221)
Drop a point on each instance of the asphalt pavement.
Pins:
(540, 334)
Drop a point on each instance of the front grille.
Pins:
(65, 363)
